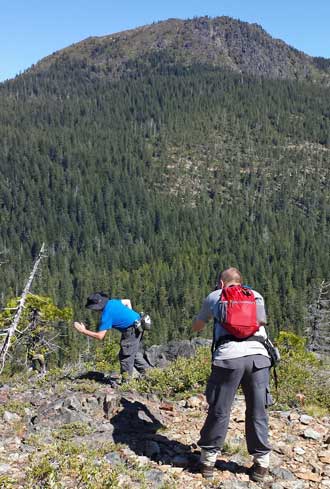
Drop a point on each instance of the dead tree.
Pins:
(318, 320)
(11, 330)
(38, 340)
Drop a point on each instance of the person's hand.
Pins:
(79, 327)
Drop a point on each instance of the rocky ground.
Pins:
(145, 434)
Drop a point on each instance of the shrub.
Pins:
(6, 482)
(66, 464)
(68, 431)
(300, 372)
(14, 406)
(182, 377)
(106, 356)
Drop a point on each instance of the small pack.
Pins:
(146, 321)
(143, 323)
(238, 311)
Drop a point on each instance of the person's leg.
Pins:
(129, 345)
(140, 363)
(220, 393)
(255, 385)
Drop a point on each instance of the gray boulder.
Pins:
(162, 355)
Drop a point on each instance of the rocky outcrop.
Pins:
(160, 435)
(162, 355)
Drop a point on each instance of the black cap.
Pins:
(97, 301)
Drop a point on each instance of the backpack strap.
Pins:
(271, 349)
(228, 337)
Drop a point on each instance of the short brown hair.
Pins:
(231, 275)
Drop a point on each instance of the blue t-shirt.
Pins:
(116, 315)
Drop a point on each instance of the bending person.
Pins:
(118, 314)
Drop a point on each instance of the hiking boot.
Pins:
(257, 473)
(206, 470)
(198, 467)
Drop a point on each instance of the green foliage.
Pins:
(300, 372)
(39, 324)
(44, 474)
(88, 387)
(147, 186)
(106, 356)
(232, 446)
(53, 374)
(316, 411)
(69, 430)
(19, 379)
(44, 305)
(71, 462)
(7, 482)
(64, 464)
(14, 406)
(181, 378)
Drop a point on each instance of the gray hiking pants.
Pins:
(252, 373)
(129, 354)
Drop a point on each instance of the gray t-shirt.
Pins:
(233, 349)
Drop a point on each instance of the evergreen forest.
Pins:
(145, 185)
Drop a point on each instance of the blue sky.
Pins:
(33, 29)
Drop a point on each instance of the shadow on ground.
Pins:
(140, 428)
(97, 376)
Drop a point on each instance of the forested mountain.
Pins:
(150, 159)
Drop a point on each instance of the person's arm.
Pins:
(127, 303)
(198, 325)
(98, 335)
(202, 317)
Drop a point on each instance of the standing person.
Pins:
(118, 314)
(235, 362)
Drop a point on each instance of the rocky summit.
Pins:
(218, 42)
(51, 430)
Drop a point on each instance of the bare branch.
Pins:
(14, 325)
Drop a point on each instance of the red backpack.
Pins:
(239, 316)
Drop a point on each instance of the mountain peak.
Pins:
(219, 42)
